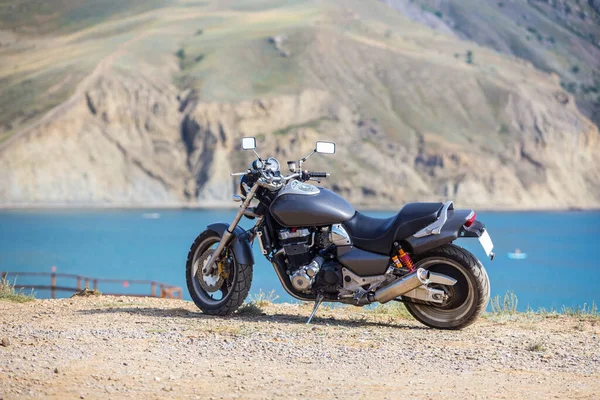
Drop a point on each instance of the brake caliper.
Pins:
(225, 266)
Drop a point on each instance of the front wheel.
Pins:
(218, 292)
(466, 299)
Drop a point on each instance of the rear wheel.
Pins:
(218, 292)
(467, 298)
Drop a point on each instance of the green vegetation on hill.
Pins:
(144, 101)
(45, 17)
(551, 34)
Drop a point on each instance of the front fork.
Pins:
(229, 231)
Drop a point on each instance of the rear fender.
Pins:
(452, 228)
(239, 244)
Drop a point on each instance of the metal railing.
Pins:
(157, 289)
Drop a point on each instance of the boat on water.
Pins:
(517, 255)
(151, 215)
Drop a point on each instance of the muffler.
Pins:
(403, 285)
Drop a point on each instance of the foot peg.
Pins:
(318, 302)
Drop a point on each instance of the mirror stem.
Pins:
(306, 158)
(256, 154)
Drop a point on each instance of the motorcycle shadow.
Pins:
(280, 317)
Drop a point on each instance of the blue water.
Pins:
(562, 267)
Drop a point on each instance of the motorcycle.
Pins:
(322, 249)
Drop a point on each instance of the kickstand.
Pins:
(318, 302)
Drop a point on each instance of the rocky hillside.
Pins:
(145, 105)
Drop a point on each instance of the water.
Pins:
(562, 265)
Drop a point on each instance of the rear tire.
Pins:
(468, 297)
(234, 288)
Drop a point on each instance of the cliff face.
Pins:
(158, 118)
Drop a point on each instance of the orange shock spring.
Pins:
(406, 260)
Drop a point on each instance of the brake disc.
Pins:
(210, 282)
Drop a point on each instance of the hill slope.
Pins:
(560, 36)
(146, 106)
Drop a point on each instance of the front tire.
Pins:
(232, 291)
(467, 299)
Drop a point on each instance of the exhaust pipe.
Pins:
(403, 285)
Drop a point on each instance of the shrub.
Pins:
(585, 311)
(507, 305)
(469, 57)
(262, 299)
(257, 302)
(9, 293)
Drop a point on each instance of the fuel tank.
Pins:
(302, 204)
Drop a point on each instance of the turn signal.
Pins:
(471, 219)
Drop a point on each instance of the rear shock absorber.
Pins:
(406, 260)
(403, 260)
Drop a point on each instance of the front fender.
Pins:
(449, 233)
(239, 245)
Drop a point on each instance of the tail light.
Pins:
(470, 219)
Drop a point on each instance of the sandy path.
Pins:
(132, 348)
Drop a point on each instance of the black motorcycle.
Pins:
(322, 249)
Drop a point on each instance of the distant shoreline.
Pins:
(234, 206)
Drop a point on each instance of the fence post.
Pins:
(95, 284)
(162, 290)
(87, 283)
(153, 289)
(53, 286)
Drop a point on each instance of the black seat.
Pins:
(378, 234)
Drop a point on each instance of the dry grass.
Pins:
(536, 347)
(249, 309)
(9, 293)
(504, 309)
(507, 305)
(392, 309)
(262, 299)
(257, 303)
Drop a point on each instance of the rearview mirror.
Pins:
(325, 147)
(248, 143)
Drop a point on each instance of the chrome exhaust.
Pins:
(403, 285)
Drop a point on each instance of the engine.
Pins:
(302, 247)
(297, 245)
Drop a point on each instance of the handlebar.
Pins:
(274, 182)
(248, 172)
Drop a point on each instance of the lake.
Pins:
(562, 265)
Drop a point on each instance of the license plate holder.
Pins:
(486, 242)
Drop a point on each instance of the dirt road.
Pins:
(110, 347)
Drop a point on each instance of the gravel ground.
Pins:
(120, 347)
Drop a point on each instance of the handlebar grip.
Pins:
(318, 174)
